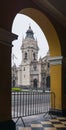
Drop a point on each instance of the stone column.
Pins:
(6, 39)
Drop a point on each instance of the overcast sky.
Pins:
(20, 26)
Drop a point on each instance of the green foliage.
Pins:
(16, 89)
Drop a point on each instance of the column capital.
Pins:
(57, 60)
(6, 37)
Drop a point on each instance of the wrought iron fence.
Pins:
(31, 103)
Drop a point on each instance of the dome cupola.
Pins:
(29, 33)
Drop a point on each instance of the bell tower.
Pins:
(29, 47)
(29, 55)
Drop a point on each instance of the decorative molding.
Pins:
(6, 37)
(6, 43)
(55, 60)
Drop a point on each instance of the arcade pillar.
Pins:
(56, 83)
(6, 39)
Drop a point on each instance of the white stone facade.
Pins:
(32, 72)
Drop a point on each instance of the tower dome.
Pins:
(29, 40)
(29, 33)
(29, 47)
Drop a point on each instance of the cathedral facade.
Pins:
(32, 73)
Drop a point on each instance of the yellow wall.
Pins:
(55, 77)
(54, 46)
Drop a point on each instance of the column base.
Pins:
(56, 112)
(7, 125)
(64, 112)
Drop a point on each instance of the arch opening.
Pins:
(55, 51)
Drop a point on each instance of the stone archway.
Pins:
(55, 51)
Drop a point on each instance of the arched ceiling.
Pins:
(8, 10)
(56, 8)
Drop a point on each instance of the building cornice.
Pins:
(57, 60)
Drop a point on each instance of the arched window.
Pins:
(34, 57)
(24, 69)
(25, 55)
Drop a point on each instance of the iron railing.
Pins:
(31, 103)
